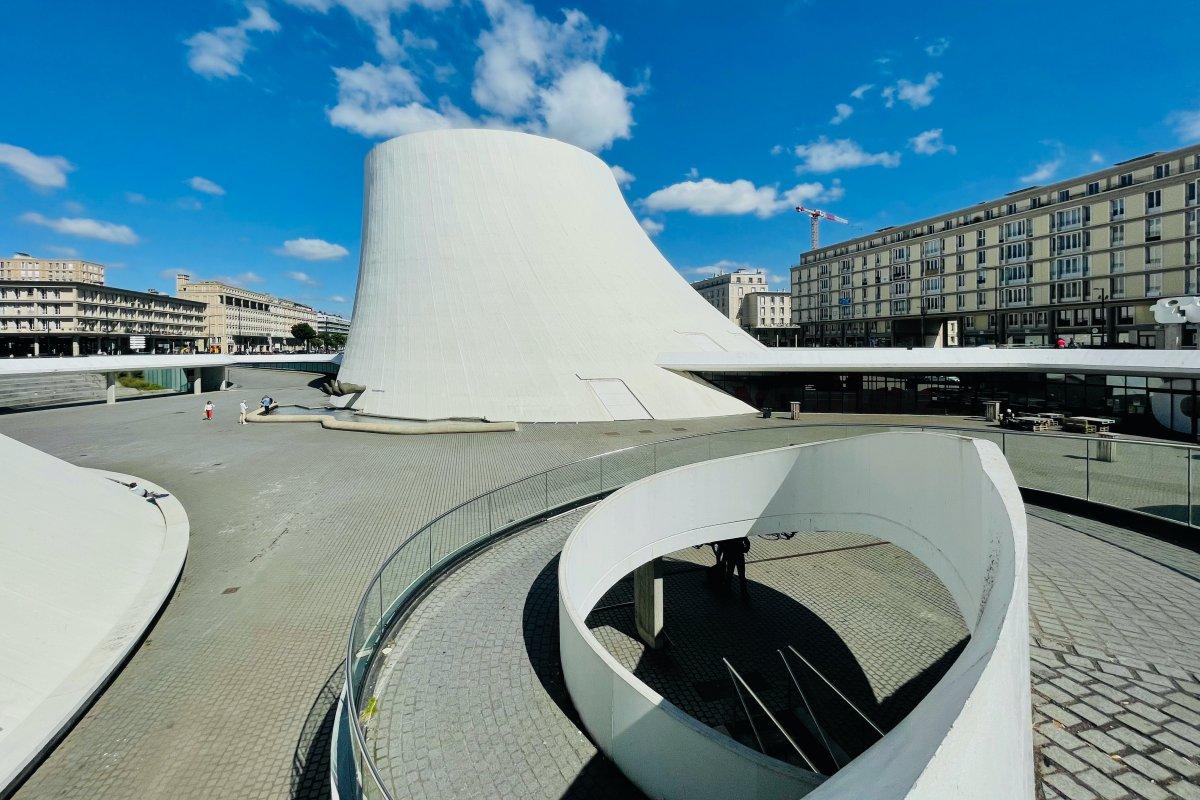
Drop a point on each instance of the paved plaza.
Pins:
(232, 693)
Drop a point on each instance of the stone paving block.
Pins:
(1069, 788)
(1142, 787)
(1188, 768)
(1100, 784)
(1103, 741)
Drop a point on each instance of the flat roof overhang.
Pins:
(939, 360)
(132, 363)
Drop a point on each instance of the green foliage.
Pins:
(132, 380)
(303, 331)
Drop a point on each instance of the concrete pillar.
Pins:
(648, 602)
(110, 381)
(37, 348)
(74, 345)
(1172, 336)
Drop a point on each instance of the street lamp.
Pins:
(1103, 316)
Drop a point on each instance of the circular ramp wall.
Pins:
(969, 737)
(504, 277)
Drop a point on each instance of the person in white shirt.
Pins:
(242, 413)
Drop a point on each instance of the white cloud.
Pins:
(917, 95)
(189, 204)
(337, 298)
(303, 277)
(692, 174)
(931, 141)
(587, 107)
(824, 155)
(1043, 171)
(385, 101)
(725, 265)
(938, 47)
(74, 207)
(1096, 158)
(206, 186)
(624, 177)
(86, 228)
(652, 227)
(844, 110)
(1186, 124)
(861, 90)
(219, 53)
(135, 197)
(44, 172)
(707, 197)
(241, 279)
(377, 15)
(777, 149)
(65, 252)
(312, 249)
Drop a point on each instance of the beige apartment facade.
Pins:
(332, 323)
(1081, 260)
(727, 292)
(238, 320)
(767, 310)
(24, 267)
(70, 318)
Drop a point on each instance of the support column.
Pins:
(74, 345)
(37, 348)
(110, 381)
(648, 602)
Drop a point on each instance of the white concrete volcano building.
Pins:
(504, 277)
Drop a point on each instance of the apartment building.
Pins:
(238, 320)
(53, 317)
(767, 310)
(24, 267)
(332, 323)
(727, 291)
(1081, 259)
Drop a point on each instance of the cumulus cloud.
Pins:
(303, 277)
(1186, 124)
(938, 47)
(1043, 171)
(861, 90)
(377, 15)
(83, 227)
(824, 155)
(624, 177)
(385, 101)
(312, 250)
(337, 298)
(587, 107)
(707, 197)
(219, 53)
(843, 112)
(917, 95)
(44, 172)
(931, 141)
(652, 227)
(205, 185)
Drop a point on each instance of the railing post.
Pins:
(1189, 486)
(1087, 469)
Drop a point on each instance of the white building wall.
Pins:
(543, 281)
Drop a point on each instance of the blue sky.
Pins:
(226, 138)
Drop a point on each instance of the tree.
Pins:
(337, 341)
(304, 332)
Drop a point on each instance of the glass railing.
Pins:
(1145, 477)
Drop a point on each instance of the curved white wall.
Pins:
(85, 565)
(500, 271)
(969, 737)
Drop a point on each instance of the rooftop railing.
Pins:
(1150, 478)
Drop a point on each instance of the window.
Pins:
(1066, 242)
(1014, 252)
(1072, 267)
(1154, 256)
(980, 299)
(1126, 179)
(931, 247)
(1116, 261)
(1125, 315)
(960, 241)
(960, 302)
(1193, 192)
(899, 272)
(960, 281)
(1153, 229)
(1068, 292)
(980, 238)
(930, 285)
(1153, 284)
(899, 289)
(1019, 273)
(899, 254)
(899, 306)
(1064, 195)
(1015, 229)
(1116, 208)
(1117, 235)
(1035, 202)
(1153, 201)
(1162, 171)
(1069, 218)
(981, 277)
(980, 258)
(1016, 296)
(1117, 286)
(959, 261)
(1093, 187)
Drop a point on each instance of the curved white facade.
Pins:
(504, 277)
(86, 562)
(970, 737)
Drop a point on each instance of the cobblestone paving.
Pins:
(866, 614)
(231, 694)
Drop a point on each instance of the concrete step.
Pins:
(22, 392)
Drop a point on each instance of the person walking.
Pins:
(242, 412)
(733, 556)
(208, 410)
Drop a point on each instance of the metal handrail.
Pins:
(738, 679)
(357, 735)
(836, 690)
(811, 713)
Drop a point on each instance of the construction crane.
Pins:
(814, 218)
